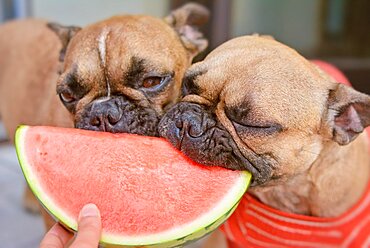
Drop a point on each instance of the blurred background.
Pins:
(337, 31)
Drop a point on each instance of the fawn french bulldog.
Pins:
(255, 104)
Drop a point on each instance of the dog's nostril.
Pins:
(179, 124)
(95, 121)
(114, 116)
(113, 119)
(194, 132)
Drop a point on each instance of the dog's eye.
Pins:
(259, 130)
(151, 82)
(247, 125)
(67, 97)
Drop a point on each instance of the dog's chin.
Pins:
(195, 130)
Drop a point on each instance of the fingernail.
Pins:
(89, 210)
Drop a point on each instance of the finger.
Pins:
(89, 227)
(56, 237)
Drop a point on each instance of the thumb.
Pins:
(89, 227)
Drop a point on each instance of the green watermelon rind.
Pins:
(184, 234)
(37, 191)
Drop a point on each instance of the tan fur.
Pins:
(312, 173)
(282, 87)
(28, 72)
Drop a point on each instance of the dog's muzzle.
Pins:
(118, 115)
(195, 130)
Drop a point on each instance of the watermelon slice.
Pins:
(148, 193)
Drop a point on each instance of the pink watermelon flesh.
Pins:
(142, 185)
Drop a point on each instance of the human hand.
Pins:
(88, 235)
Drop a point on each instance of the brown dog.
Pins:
(255, 104)
(117, 75)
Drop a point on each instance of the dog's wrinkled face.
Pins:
(254, 104)
(119, 75)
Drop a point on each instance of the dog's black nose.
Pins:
(185, 121)
(105, 114)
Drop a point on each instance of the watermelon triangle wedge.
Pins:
(149, 194)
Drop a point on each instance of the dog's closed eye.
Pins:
(257, 129)
(244, 123)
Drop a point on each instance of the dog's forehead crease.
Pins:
(102, 46)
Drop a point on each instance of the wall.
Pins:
(83, 12)
(283, 19)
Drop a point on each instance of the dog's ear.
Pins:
(186, 20)
(349, 113)
(65, 34)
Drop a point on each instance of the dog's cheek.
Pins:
(295, 154)
(71, 109)
(309, 152)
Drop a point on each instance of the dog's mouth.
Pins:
(118, 115)
(195, 130)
